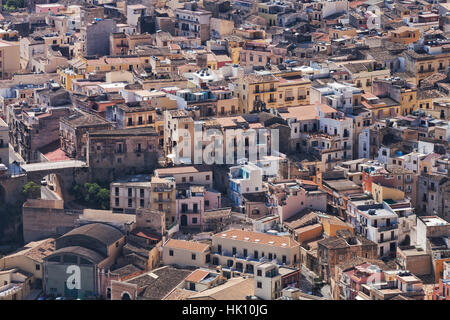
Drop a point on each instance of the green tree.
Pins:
(32, 190)
(103, 198)
(90, 191)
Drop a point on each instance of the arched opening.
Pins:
(126, 296)
(407, 240)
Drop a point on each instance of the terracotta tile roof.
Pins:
(197, 275)
(36, 250)
(187, 245)
(233, 289)
(258, 237)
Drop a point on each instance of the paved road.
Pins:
(48, 194)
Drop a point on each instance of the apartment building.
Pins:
(268, 281)
(127, 196)
(344, 246)
(257, 92)
(425, 63)
(246, 178)
(293, 89)
(260, 53)
(401, 91)
(405, 35)
(242, 250)
(186, 253)
(95, 36)
(292, 196)
(132, 114)
(190, 21)
(194, 175)
(362, 73)
(9, 59)
(377, 222)
(192, 202)
(163, 197)
(33, 128)
(73, 129)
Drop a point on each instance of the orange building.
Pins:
(405, 35)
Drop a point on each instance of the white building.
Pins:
(267, 281)
(243, 179)
(134, 12)
(378, 223)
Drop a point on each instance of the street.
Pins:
(48, 194)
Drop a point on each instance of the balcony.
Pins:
(388, 239)
(189, 211)
(387, 228)
(289, 99)
(426, 70)
(162, 189)
(301, 97)
(162, 200)
(272, 100)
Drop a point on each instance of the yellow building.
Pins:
(163, 198)
(257, 92)
(30, 258)
(268, 12)
(380, 107)
(423, 65)
(235, 44)
(405, 35)
(381, 193)
(293, 89)
(335, 33)
(332, 224)
(66, 76)
(9, 59)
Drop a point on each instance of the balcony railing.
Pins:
(161, 200)
(388, 239)
(387, 228)
(190, 211)
(426, 70)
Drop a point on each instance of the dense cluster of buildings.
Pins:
(252, 149)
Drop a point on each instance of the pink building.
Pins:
(288, 197)
(54, 8)
(192, 201)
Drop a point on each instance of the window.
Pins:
(207, 177)
(259, 285)
(38, 267)
(171, 253)
(259, 273)
(193, 256)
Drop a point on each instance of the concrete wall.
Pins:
(45, 218)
